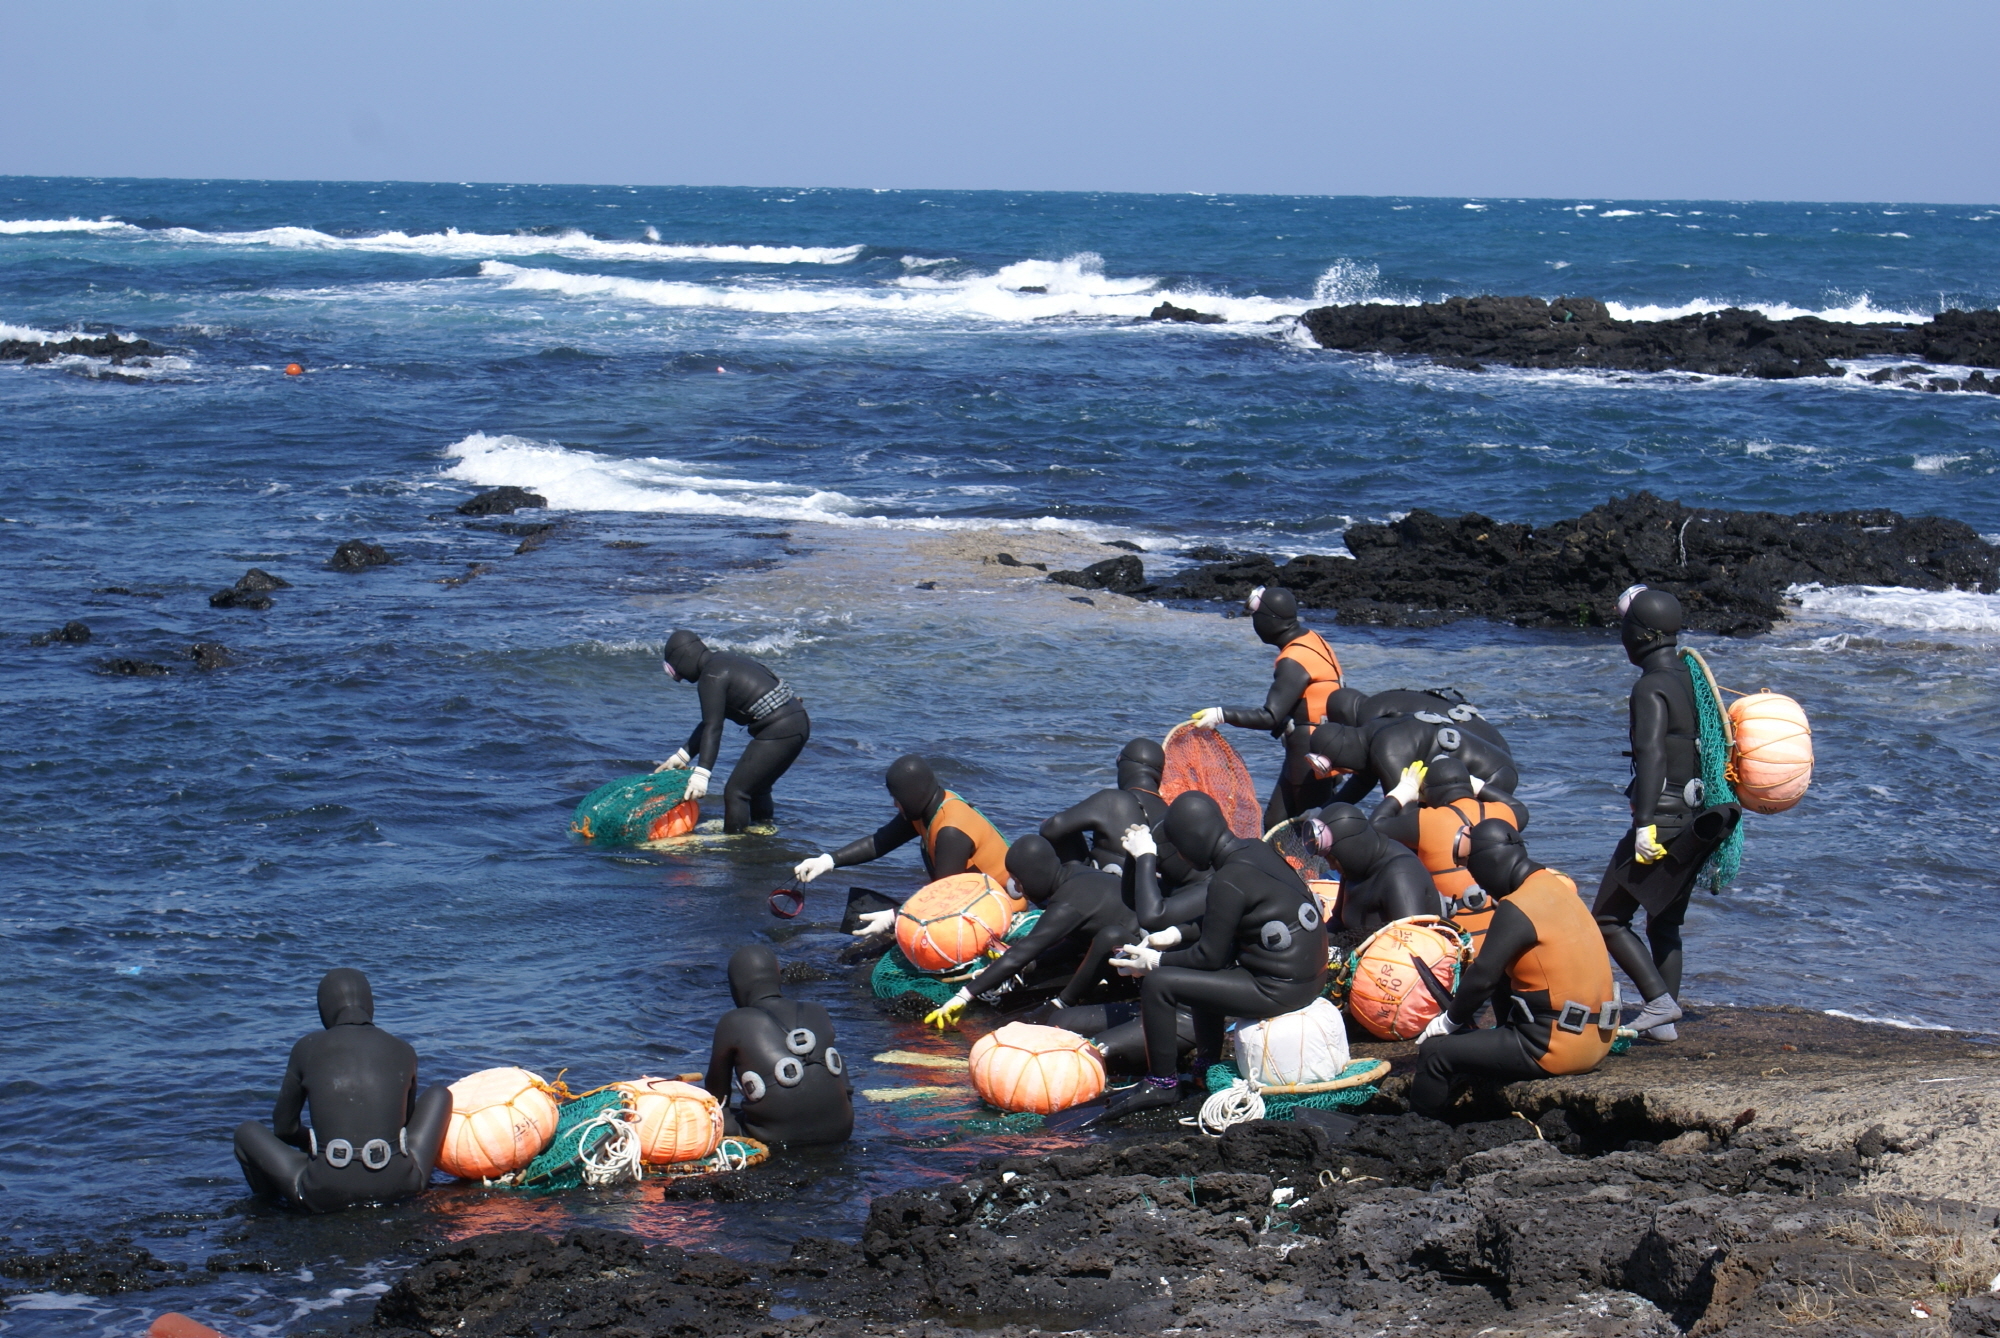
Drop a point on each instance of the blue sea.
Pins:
(804, 423)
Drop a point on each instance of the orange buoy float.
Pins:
(679, 820)
(1024, 1067)
(952, 922)
(173, 1324)
(1772, 762)
(678, 1121)
(1326, 891)
(501, 1119)
(1404, 974)
(293, 369)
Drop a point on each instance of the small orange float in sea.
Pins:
(293, 369)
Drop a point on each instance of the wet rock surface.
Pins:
(1470, 332)
(359, 555)
(1730, 569)
(71, 633)
(251, 591)
(92, 1269)
(503, 501)
(110, 346)
(1167, 311)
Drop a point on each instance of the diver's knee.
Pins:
(1609, 923)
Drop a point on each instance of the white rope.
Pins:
(1234, 1104)
(615, 1157)
(731, 1161)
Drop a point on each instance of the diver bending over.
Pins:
(956, 836)
(1262, 951)
(1380, 880)
(739, 689)
(1082, 908)
(1673, 831)
(780, 1052)
(1303, 677)
(1544, 969)
(1433, 810)
(372, 1138)
(1382, 749)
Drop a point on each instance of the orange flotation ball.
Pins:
(501, 1119)
(1326, 891)
(173, 1324)
(952, 922)
(1390, 994)
(1773, 759)
(679, 820)
(1023, 1067)
(677, 1120)
(293, 369)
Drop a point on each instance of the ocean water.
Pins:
(803, 422)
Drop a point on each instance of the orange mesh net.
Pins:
(1201, 759)
(1288, 840)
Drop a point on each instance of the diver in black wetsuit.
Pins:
(1377, 752)
(954, 836)
(1105, 815)
(1380, 879)
(1083, 910)
(738, 689)
(1262, 951)
(1304, 677)
(372, 1138)
(1673, 830)
(780, 1052)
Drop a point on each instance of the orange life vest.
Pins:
(1318, 660)
(1443, 837)
(1570, 971)
(989, 848)
(1470, 921)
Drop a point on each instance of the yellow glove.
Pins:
(1411, 782)
(1646, 847)
(946, 1014)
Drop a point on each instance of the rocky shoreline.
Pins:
(1470, 332)
(1730, 568)
(1776, 1171)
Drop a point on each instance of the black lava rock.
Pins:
(261, 581)
(1125, 575)
(1730, 569)
(1580, 332)
(251, 591)
(1009, 560)
(91, 346)
(210, 655)
(501, 502)
(96, 1269)
(69, 634)
(358, 555)
(1167, 311)
(122, 668)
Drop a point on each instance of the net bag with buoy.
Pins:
(1024, 1067)
(895, 976)
(1201, 759)
(678, 1121)
(634, 810)
(1772, 762)
(949, 924)
(1403, 976)
(501, 1119)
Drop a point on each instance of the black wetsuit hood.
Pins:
(345, 1000)
(1343, 705)
(754, 975)
(1140, 764)
(1346, 837)
(1035, 867)
(684, 655)
(1445, 781)
(1648, 620)
(914, 787)
(1198, 830)
(1345, 746)
(1499, 860)
(1274, 612)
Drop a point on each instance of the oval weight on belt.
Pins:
(789, 1071)
(752, 1084)
(1449, 739)
(801, 1041)
(1309, 915)
(1464, 713)
(1276, 936)
(339, 1152)
(375, 1153)
(834, 1063)
(1694, 792)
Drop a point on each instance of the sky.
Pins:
(1754, 99)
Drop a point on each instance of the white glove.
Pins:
(1208, 717)
(1439, 1026)
(1138, 840)
(808, 869)
(697, 784)
(1646, 847)
(1136, 960)
(675, 763)
(1478, 786)
(872, 922)
(1409, 783)
(1170, 937)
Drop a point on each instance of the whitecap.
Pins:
(1901, 1023)
(16, 227)
(1620, 213)
(1859, 312)
(1936, 464)
(1894, 606)
(573, 243)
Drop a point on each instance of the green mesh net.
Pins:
(1020, 1122)
(623, 812)
(895, 975)
(561, 1164)
(1280, 1107)
(1727, 859)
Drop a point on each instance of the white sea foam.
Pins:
(579, 480)
(1620, 213)
(1859, 312)
(16, 227)
(1936, 464)
(28, 334)
(1893, 606)
(1902, 1023)
(1027, 290)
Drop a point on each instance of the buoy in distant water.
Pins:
(293, 369)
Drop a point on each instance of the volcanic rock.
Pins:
(504, 501)
(358, 555)
(69, 634)
(1580, 332)
(1730, 569)
(1123, 575)
(1167, 311)
(95, 1269)
(123, 668)
(251, 591)
(210, 655)
(91, 346)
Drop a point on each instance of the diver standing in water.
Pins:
(1303, 677)
(372, 1138)
(956, 836)
(780, 1052)
(739, 689)
(1673, 832)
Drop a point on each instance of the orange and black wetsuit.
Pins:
(956, 837)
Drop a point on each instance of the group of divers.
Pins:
(1167, 924)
